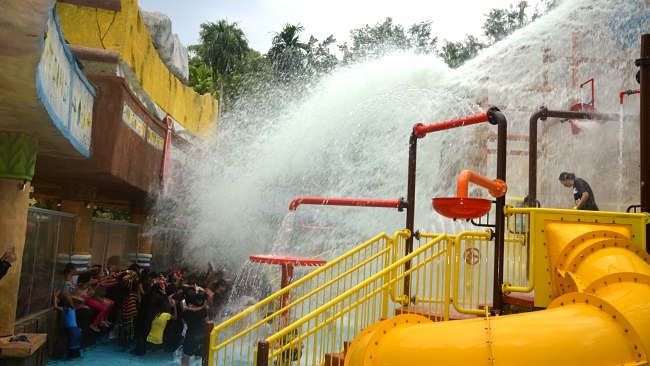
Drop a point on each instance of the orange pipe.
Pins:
(497, 187)
(628, 92)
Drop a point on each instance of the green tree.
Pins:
(319, 58)
(374, 42)
(544, 7)
(420, 38)
(382, 38)
(201, 79)
(287, 53)
(223, 44)
(500, 23)
(454, 54)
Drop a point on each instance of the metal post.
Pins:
(499, 230)
(207, 333)
(410, 210)
(644, 71)
(262, 353)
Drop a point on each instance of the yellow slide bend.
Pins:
(600, 314)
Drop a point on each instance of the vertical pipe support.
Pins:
(499, 230)
(207, 330)
(644, 70)
(262, 358)
(410, 207)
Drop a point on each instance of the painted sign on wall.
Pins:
(134, 121)
(65, 92)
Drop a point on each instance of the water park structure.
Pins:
(90, 115)
(544, 285)
(547, 286)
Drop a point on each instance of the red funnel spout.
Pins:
(497, 187)
(399, 203)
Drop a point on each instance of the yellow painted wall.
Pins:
(126, 33)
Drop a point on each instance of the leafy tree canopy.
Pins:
(382, 38)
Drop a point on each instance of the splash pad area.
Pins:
(362, 153)
(560, 149)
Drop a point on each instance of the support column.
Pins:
(17, 164)
(78, 199)
(139, 215)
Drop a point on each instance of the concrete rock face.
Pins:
(168, 45)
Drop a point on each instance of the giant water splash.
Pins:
(348, 137)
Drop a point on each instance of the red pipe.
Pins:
(421, 130)
(364, 202)
(628, 92)
(309, 227)
(592, 89)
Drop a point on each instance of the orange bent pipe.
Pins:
(628, 92)
(497, 187)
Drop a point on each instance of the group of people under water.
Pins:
(164, 311)
(156, 311)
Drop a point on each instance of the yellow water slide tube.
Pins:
(600, 314)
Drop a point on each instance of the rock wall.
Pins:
(168, 45)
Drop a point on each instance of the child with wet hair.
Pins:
(166, 311)
(174, 328)
(85, 292)
(70, 321)
(195, 315)
(126, 321)
(69, 271)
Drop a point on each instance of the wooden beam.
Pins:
(94, 54)
(113, 5)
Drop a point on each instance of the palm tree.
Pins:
(287, 53)
(224, 44)
(201, 79)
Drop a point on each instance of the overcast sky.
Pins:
(260, 19)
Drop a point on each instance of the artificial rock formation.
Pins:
(169, 47)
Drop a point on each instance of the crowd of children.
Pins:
(153, 311)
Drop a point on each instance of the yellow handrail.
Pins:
(375, 286)
(518, 228)
(341, 271)
(486, 236)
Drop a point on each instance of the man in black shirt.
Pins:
(582, 194)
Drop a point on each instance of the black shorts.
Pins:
(193, 346)
(154, 347)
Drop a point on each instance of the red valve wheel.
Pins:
(472, 256)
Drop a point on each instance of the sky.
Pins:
(261, 19)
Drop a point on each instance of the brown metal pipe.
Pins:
(499, 229)
(410, 207)
(262, 353)
(543, 114)
(644, 119)
(207, 330)
(495, 117)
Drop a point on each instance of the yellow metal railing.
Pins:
(459, 275)
(533, 269)
(472, 279)
(525, 264)
(433, 266)
(519, 259)
(234, 341)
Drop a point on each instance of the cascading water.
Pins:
(348, 137)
